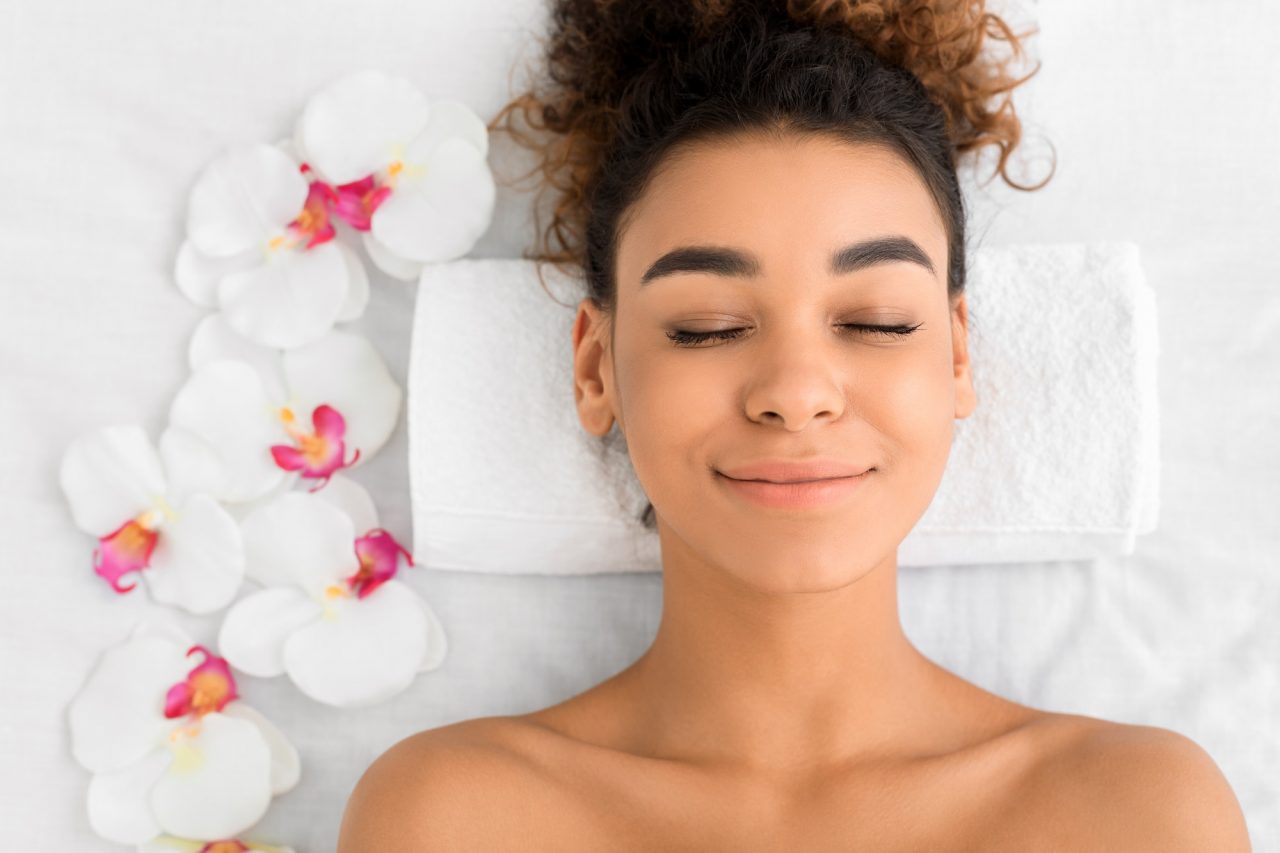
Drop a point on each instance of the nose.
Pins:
(796, 378)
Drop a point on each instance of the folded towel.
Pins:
(1058, 461)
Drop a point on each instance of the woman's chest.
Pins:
(955, 807)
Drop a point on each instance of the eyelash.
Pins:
(687, 339)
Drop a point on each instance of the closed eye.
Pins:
(688, 339)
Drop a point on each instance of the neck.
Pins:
(781, 680)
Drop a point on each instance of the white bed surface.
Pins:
(1164, 122)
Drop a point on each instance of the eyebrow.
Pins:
(725, 261)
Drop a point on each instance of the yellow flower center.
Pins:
(331, 592)
(186, 757)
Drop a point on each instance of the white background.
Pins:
(1166, 123)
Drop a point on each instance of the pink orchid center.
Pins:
(208, 687)
(357, 201)
(318, 453)
(128, 548)
(378, 553)
(312, 226)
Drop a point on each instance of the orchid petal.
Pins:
(255, 628)
(191, 464)
(198, 275)
(119, 800)
(117, 716)
(110, 475)
(299, 539)
(440, 215)
(289, 145)
(225, 404)
(295, 147)
(243, 509)
(367, 651)
(357, 286)
(289, 301)
(437, 642)
(353, 499)
(198, 564)
(170, 844)
(214, 338)
(343, 370)
(389, 262)
(351, 128)
(449, 118)
(243, 197)
(286, 768)
(219, 782)
(162, 626)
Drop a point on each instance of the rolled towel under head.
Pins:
(1059, 461)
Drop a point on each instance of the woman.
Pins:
(762, 198)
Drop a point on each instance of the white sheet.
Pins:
(1165, 127)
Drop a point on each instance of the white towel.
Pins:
(1058, 461)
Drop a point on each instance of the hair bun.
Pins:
(943, 43)
(600, 47)
(628, 70)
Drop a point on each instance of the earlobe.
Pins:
(966, 399)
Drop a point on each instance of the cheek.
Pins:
(912, 408)
(911, 401)
(673, 415)
(668, 409)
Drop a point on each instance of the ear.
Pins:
(966, 399)
(593, 369)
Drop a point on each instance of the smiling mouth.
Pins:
(792, 482)
(797, 494)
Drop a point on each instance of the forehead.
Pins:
(789, 201)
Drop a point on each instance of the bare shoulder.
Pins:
(1135, 787)
(430, 790)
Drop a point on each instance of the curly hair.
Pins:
(628, 83)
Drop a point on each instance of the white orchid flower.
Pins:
(333, 615)
(157, 514)
(260, 246)
(172, 747)
(410, 173)
(248, 401)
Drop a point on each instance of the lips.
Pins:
(794, 470)
(816, 494)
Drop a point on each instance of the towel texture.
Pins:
(1059, 460)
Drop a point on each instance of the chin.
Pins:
(793, 574)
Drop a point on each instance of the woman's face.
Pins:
(798, 381)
